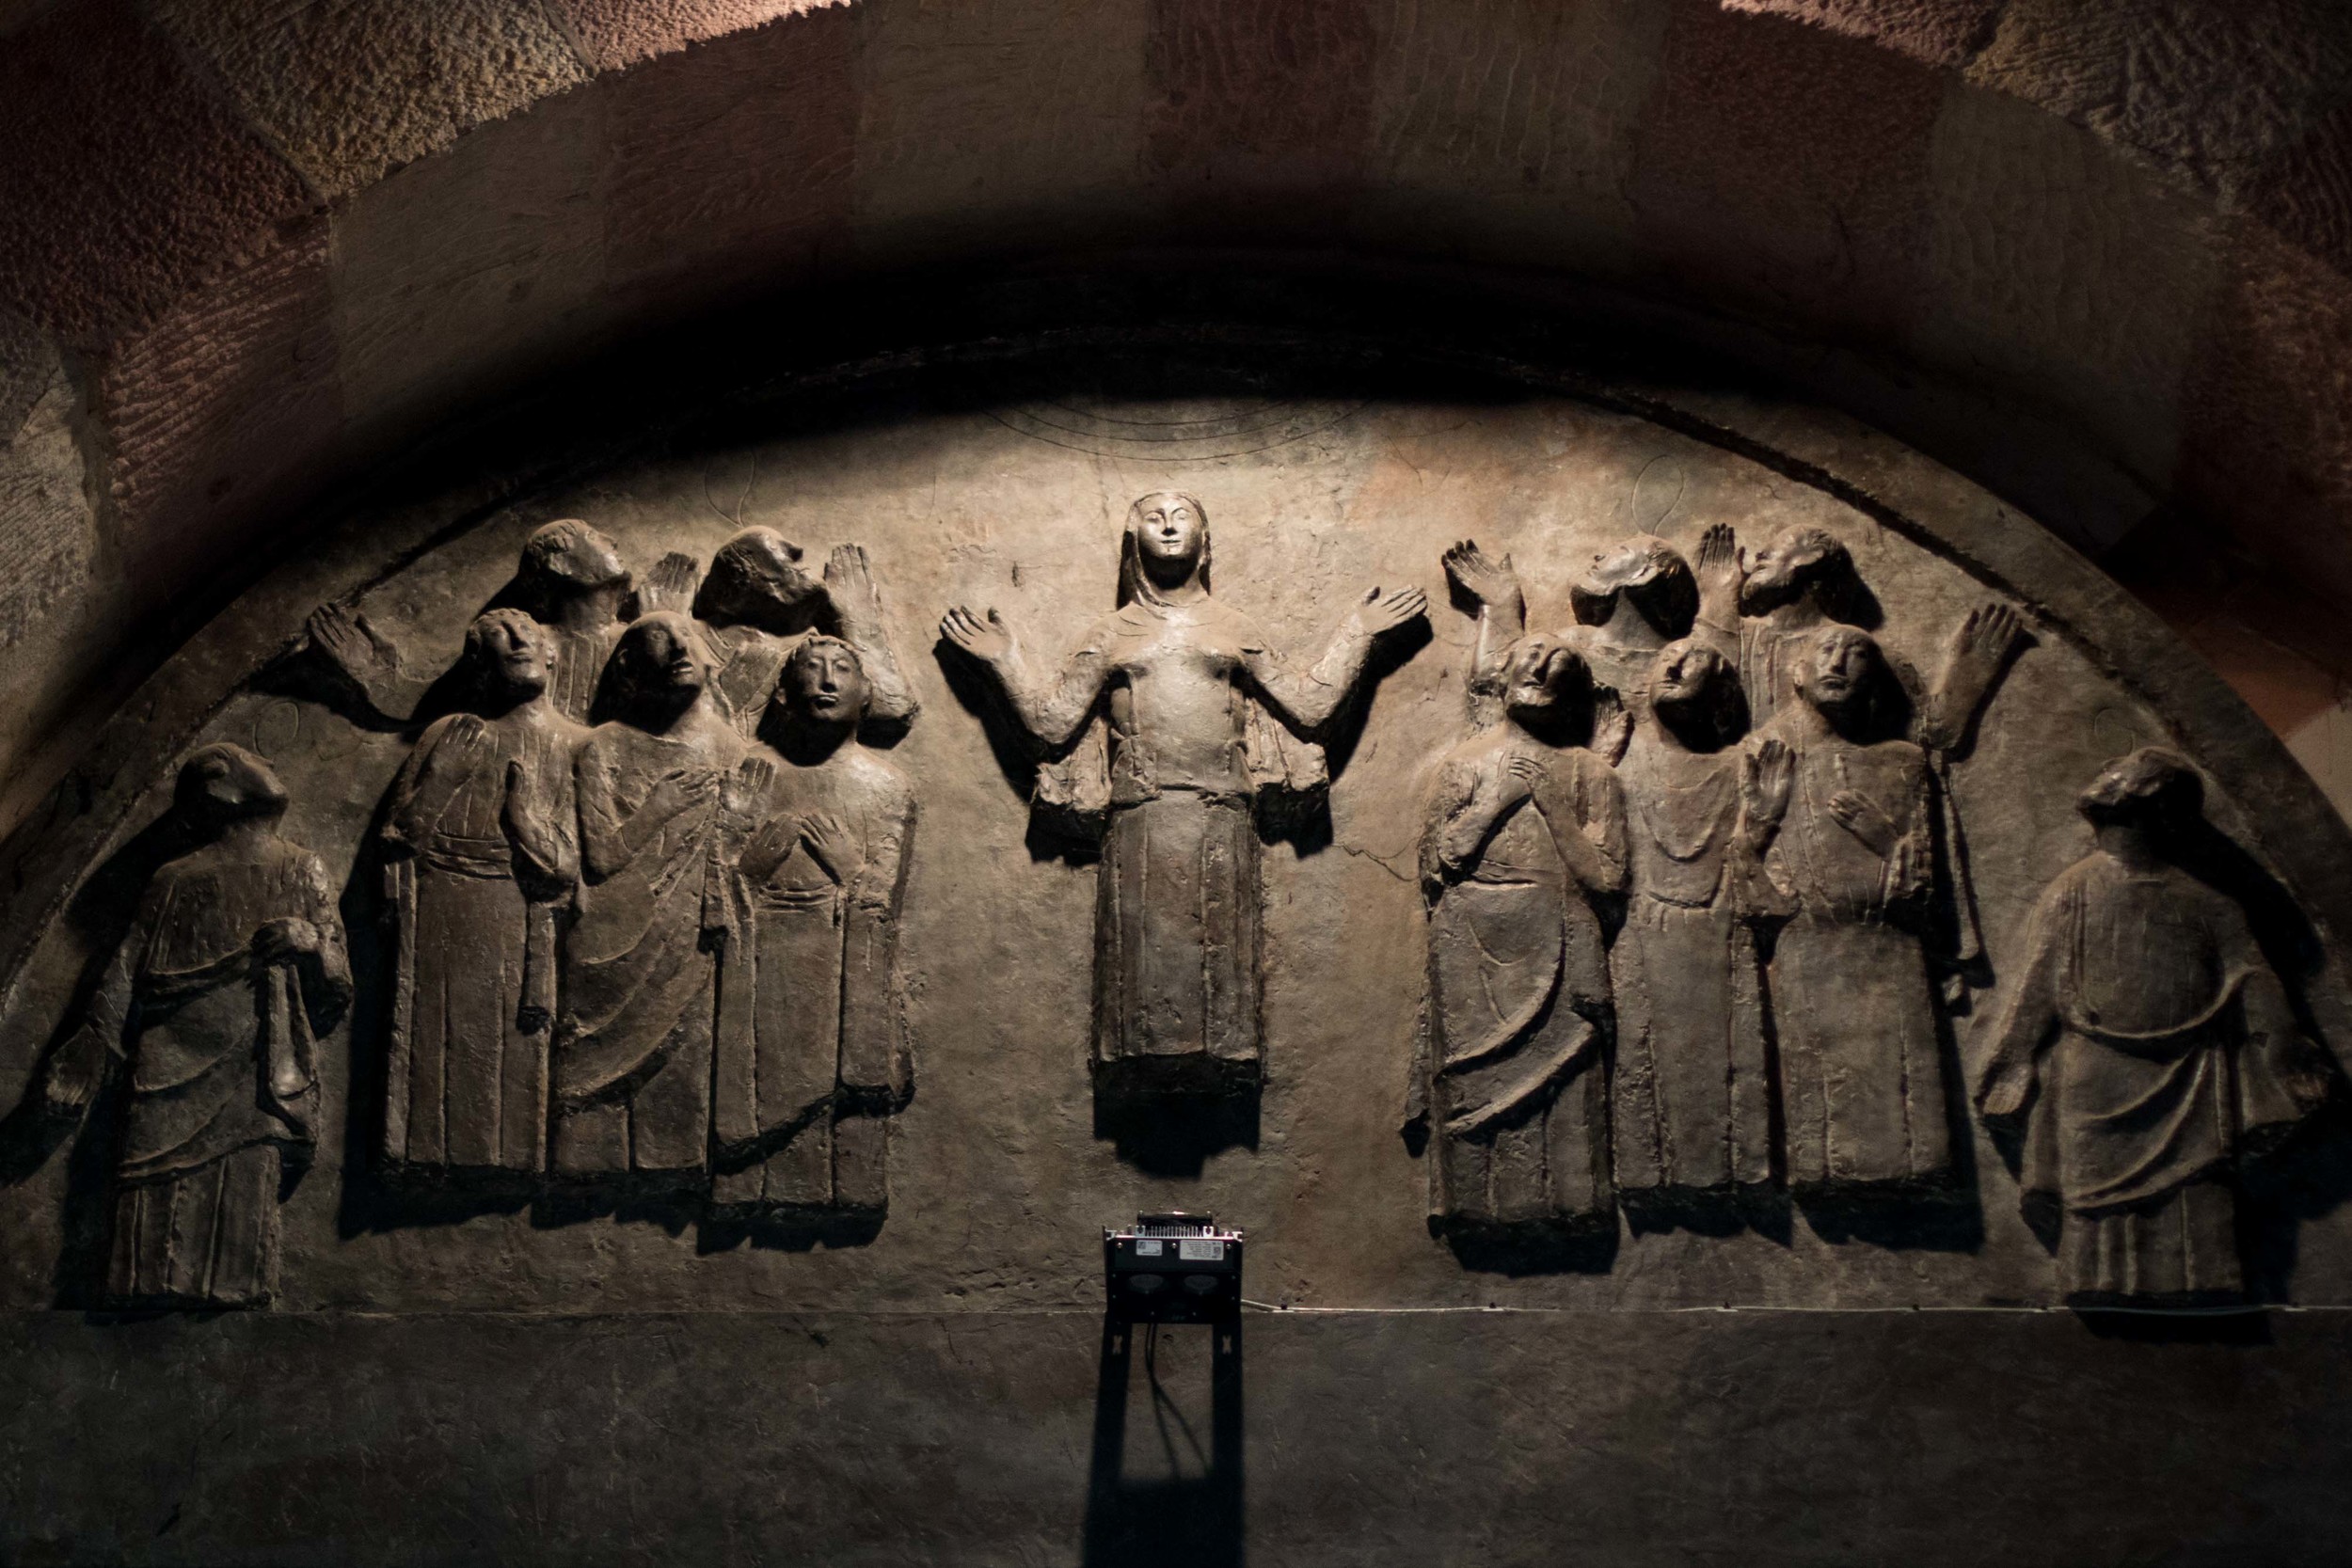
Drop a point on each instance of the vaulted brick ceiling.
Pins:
(2093, 253)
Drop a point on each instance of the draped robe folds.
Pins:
(633, 1054)
(475, 982)
(2159, 1038)
(1691, 1093)
(1176, 770)
(812, 1054)
(223, 1073)
(1860, 1060)
(575, 667)
(1520, 1000)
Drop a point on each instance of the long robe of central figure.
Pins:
(634, 1069)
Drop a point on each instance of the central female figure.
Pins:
(1173, 771)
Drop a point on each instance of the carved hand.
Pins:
(2007, 1083)
(1720, 569)
(1490, 582)
(834, 845)
(671, 584)
(1766, 776)
(984, 639)
(74, 1074)
(742, 792)
(1613, 726)
(849, 578)
(283, 939)
(1983, 639)
(1523, 775)
(466, 745)
(1380, 614)
(1854, 811)
(353, 646)
(678, 791)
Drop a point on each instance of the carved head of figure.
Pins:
(510, 654)
(1799, 561)
(2152, 789)
(1166, 547)
(1843, 674)
(1545, 683)
(221, 784)
(568, 556)
(658, 667)
(1646, 573)
(756, 579)
(824, 683)
(1695, 692)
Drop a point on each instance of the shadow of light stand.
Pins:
(1165, 1485)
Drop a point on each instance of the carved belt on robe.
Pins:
(488, 858)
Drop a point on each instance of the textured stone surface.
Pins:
(1940, 32)
(616, 34)
(127, 181)
(732, 162)
(1798, 1439)
(352, 91)
(214, 406)
(1788, 166)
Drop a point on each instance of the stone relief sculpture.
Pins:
(1860, 1057)
(666, 794)
(813, 1056)
(1180, 686)
(1525, 827)
(570, 579)
(2146, 1050)
(482, 848)
(234, 968)
(756, 602)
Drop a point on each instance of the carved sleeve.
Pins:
(1309, 702)
(604, 840)
(2005, 1083)
(420, 792)
(1587, 812)
(326, 973)
(1498, 626)
(1449, 798)
(542, 817)
(1052, 709)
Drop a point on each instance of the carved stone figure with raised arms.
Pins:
(756, 603)
(813, 1054)
(2146, 1047)
(570, 579)
(1692, 1082)
(1525, 827)
(481, 844)
(1178, 679)
(234, 968)
(666, 793)
(1861, 1075)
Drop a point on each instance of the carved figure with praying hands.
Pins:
(1182, 715)
(756, 603)
(813, 1057)
(481, 848)
(1525, 829)
(233, 967)
(666, 794)
(2146, 1050)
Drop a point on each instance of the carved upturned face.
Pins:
(1540, 676)
(1840, 670)
(1645, 572)
(659, 655)
(1794, 561)
(2152, 786)
(757, 575)
(568, 551)
(223, 784)
(1169, 528)
(1686, 675)
(824, 680)
(514, 652)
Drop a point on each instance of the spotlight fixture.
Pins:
(1174, 1268)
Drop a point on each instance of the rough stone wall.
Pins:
(2092, 255)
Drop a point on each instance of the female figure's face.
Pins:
(1168, 530)
(825, 681)
(663, 655)
(516, 653)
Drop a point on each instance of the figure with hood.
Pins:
(2146, 1049)
(666, 794)
(212, 1006)
(481, 850)
(1191, 700)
